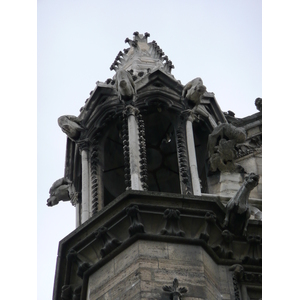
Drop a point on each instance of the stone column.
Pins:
(134, 148)
(85, 189)
(192, 154)
(75, 202)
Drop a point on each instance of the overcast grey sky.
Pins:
(219, 41)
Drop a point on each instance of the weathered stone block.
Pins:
(153, 249)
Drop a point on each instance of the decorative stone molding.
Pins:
(110, 243)
(179, 227)
(224, 248)
(143, 155)
(254, 256)
(184, 171)
(94, 176)
(172, 224)
(125, 139)
(237, 276)
(81, 265)
(131, 111)
(241, 279)
(66, 292)
(83, 145)
(136, 226)
(175, 291)
(210, 219)
(252, 145)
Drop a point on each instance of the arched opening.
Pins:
(201, 133)
(162, 162)
(112, 161)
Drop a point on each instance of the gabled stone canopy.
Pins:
(154, 88)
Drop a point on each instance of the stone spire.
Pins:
(142, 57)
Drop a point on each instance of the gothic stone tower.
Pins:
(166, 188)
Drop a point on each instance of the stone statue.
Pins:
(70, 125)
(238, 211)
(125, 85)
(61, 190)
(221, 147)
(194, 90)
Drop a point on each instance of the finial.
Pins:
(131, 42)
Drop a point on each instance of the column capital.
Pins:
(131, 111)
(83, 145)
(190, 115)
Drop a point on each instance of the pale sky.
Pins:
(77, 41)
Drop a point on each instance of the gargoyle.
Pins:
(221, 147)
(194, 90)
(60, 190)
(238, 211)
(125, 85)
(70, 125)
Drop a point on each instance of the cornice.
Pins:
(170, 218)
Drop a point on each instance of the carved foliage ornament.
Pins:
(172, 224)
(109, 242)
(175, 291)
(136, 226)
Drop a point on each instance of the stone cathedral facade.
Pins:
(167, 189)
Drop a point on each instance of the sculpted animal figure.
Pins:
(194, 90)
(221, 147)
(238, 211)
(70, 125)
(59, 191)
(125, 85)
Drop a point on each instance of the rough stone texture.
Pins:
(145, 267)
(227, 184)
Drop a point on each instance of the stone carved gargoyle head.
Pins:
(194, 90)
